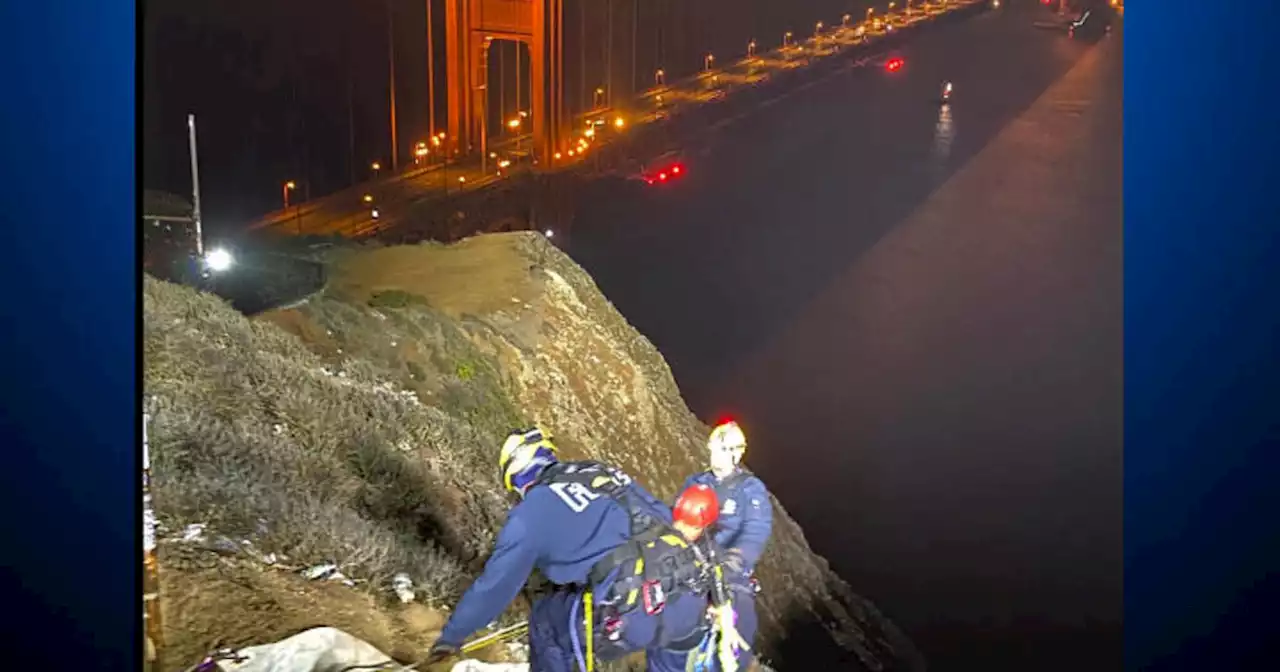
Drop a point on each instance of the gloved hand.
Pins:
(731, 644)
(440, 652)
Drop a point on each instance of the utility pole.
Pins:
(520, 108)
(519, 105)
(431, 75)
(351, 111)
(608, 55)
(391, 60)
(635, 21)
(195, 185)
(351, 128)
(502, 89)
(582, 53)
(484, 108)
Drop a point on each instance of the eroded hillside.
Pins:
(359, 428)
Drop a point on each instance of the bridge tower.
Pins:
(471, 26)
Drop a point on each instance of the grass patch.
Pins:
(395, 298)
(323, 456)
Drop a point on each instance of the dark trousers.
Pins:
(675, 659)
(558, 618)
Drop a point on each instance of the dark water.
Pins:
(919, 325)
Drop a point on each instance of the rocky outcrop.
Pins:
(404, 374)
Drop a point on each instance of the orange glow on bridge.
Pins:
(471, 27)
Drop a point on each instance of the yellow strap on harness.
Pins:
(591, 630)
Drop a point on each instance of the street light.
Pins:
(844, 21)
(375, 167)
(707, 61)
(751, 49)
(288, 187)
(218, 260)
(599, 97)
(659, 77)
(786, 39)
(618, 122)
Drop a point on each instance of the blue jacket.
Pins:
(746, 517)
(562, 532)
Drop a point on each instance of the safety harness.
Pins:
(653, 566)
(722, 641)
(723, 488)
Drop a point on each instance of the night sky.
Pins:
(269, 82)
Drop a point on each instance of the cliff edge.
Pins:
(358, 430)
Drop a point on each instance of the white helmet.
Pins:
(727, 436)
(726, 444)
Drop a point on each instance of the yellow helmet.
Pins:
(524, 454)
(727, 436)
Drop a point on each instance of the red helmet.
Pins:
(697, 506)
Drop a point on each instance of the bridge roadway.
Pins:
(916, 312)
(349, 212)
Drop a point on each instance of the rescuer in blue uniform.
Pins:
(741, 532)
(592, 532)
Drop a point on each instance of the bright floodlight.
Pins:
(549, 233)
(218, 260)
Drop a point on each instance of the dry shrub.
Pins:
(262, 439)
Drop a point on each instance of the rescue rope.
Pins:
(507, 633)
(590, 634)
(573, 636)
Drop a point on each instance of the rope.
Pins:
(587, 663)
(573, 635)
(590, 634)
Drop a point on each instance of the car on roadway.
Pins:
(666, 168)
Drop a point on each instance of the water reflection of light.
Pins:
(943, 133)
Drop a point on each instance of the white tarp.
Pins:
(477, 666)
(332, 650)
(314, 650)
